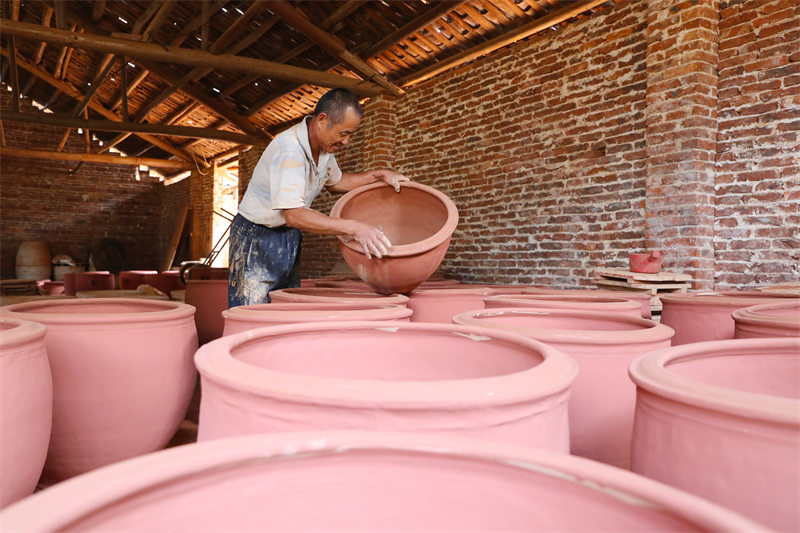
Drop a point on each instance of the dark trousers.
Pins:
(261, 259)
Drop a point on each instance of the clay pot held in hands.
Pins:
(26, 407)
(767, 320)
(312, 295)
(602, 399)
(242, 318)
(440, 305)
(721, 419)
(437, 378)
(598, 304)
(418, 220)
(122, 377)
(364, 481)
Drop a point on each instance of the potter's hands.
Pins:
(372, 240)
(390, 176)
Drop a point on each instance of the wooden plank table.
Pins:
(653, 284)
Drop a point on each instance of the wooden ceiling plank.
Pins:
(15, 5)
(500, 17)
(47, 15)
(158, 20)
(14, 74)
(61, 15)
(68, 58)
(438, 10)
(123, 65)
(95, 158)
(62, 55)
(98, 10)
(526, 30)
(2, 134)
(145, 17)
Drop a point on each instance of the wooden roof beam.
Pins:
(47, 15)
(98, 10)
(95, 158)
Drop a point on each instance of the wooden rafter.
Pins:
(98, 10)
(123, 66)
(158, 20)
(14, 75)
(144, 18)
(46, 17)
(95, 158)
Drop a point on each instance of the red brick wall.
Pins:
(757, 237)
(39, 200)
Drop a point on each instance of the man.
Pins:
(266, 233)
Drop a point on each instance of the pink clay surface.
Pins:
(721, 419)
(600, 304)
(386, 376)
(335, 295)
(365, 481)
(642, 297)
(440, 305)
(767, 320)
(602, 399)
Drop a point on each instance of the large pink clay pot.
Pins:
(721, 419)
(706, 316)
(312, 295)
(88, 281)
(501, 289)
(122, 377)
(440, 305)
(26, 407)
(245, 317)
(418, 220)
(602, 399)
(129, 280)
(767, 320)
(210, 298)
(166, 282)
(120, 294)
(386, 376)
(364, 481)
(642, 297)
(598, 304)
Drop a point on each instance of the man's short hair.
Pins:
(335, 102)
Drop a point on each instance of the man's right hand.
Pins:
(373, 241)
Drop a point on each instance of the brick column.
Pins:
(201, 200)
(681, 118)
(247, 163)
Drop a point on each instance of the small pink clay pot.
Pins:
(642, 297)
(419, 221)
(88, 281)
(26, 407)
(210, 298)
(364, 481)
(767, 320)
(130, 279)
(440, 305)
(598, 304)
(706, 316)
(602, 399)
(389, 376)
(122, 377)
(721, 419)
(166, 282)
(51, 288)
(332, 295)
(646, 263)
(245, 317)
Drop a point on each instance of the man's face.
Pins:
(335, 136)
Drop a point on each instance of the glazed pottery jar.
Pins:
(767, 320)
(210, 298)
(129, 280)
(706, 316)
(386, 376)
(602, 399)
(440, 305)
(122, 377)
(312, 295)
(364, 481)
(244, 317)
(26, 407)
(578, 302)
(88, 281)
(419, 221)
(721, 419)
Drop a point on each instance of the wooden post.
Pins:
(14, 75)
(124, 67)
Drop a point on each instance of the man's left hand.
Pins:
(390, 177)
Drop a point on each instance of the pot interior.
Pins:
(551, 321)
(88, 306)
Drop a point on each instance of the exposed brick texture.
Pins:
(39, 200)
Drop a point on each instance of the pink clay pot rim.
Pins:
(279, 312)
(453, 291)
(206, 281)
(724, 299)
(113, 484)
(415, 248)
(600, 302)
(654, 332)
(348, 295)
(552, 376)
(650, 373)
(171, 310)
(24, 331)
(754, 315)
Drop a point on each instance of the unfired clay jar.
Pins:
(352, 284)
(130, 279)
(122, 377)
(210, 298)
(721, 419)
(647, 263)
(33, 260)
(312, 295)
(242, 318)
(767, 320)
(166, 282)
(602, 399)
(440, 305)
(598, 304)
(419, 222)
(386, 376)
(364, 481)
(120, 294)
(21, 298)
(706, 316)
(513, 289)
(26, 407)
(642, 297)
(50, 288)
(88, 281)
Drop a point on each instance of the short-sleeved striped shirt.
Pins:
(286, 177)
